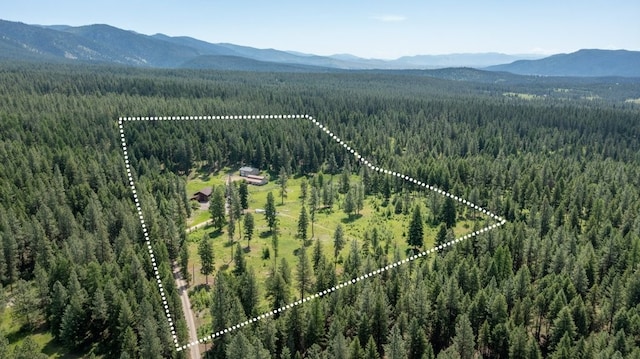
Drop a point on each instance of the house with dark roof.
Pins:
(202, 195)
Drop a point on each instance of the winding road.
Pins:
(184, 294)
(186, 309)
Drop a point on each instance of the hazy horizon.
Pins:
(371, 29)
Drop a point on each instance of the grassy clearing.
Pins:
(197, 182)
(522, 96)
(43, 339)
(633, 100)
(392, 227)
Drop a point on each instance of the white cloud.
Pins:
(389, 18)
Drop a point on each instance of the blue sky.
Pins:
(367, 28)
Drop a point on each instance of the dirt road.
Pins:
(188, 313)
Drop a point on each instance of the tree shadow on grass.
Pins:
(215, 234)
(351, 219)
(265, 234)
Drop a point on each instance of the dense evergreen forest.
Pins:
(561, 279)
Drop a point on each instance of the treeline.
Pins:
(561, 279)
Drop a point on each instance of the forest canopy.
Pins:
(560, 279)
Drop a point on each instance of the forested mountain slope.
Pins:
(561, 279)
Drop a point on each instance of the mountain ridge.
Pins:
(585, 62)
(103, 43)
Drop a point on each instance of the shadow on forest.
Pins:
(201, 286)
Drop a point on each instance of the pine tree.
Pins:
(464, 341)
(303, 223)
(355, 349)
(359, 197)
(240, 347)
(313, 207)
(4, 346)
(184, 263)
(343, 185)
(217, 208)
(235, 202)
(29, 349)
(10, 257)
(441, 237)
(231, 229)
(396, 347)
(205, 251)
(3, 265)
(328, 195)
(518, 343)
(249, 226)
(448, 213)
(270, 212)
(25, 304)
(243, 191)
(59, 301)
(416, 230)
(338, 347)
(349, 205)
(379, 321)
(99, 313)
(221, 303)
(563, 349)
(417, 340)
(304, 187)
(248, 293)
(304, 272)
(240, 264)
(277, 290)
(274, 244)
(370, 350)
(338, 242)
(72, 324)
(316, 323)
(150, 345)
(317, 254)
(332, 165)
(282, 180)
(562, 325)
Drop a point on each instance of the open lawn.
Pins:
(42, 338)
(392, 228)
(196, 182)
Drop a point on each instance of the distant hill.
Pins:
(583, 63)
(110, 45)
(460, 60)
(237, 63)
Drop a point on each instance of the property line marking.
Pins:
(500, 221)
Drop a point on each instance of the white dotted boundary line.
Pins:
(145, 232)
(340, 285)
(500, 221)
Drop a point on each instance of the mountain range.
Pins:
(110, 45)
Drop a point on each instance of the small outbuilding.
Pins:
(256, 180)
(248, 171)
(202, 195)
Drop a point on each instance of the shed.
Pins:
(256, 180)
(249, 171)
